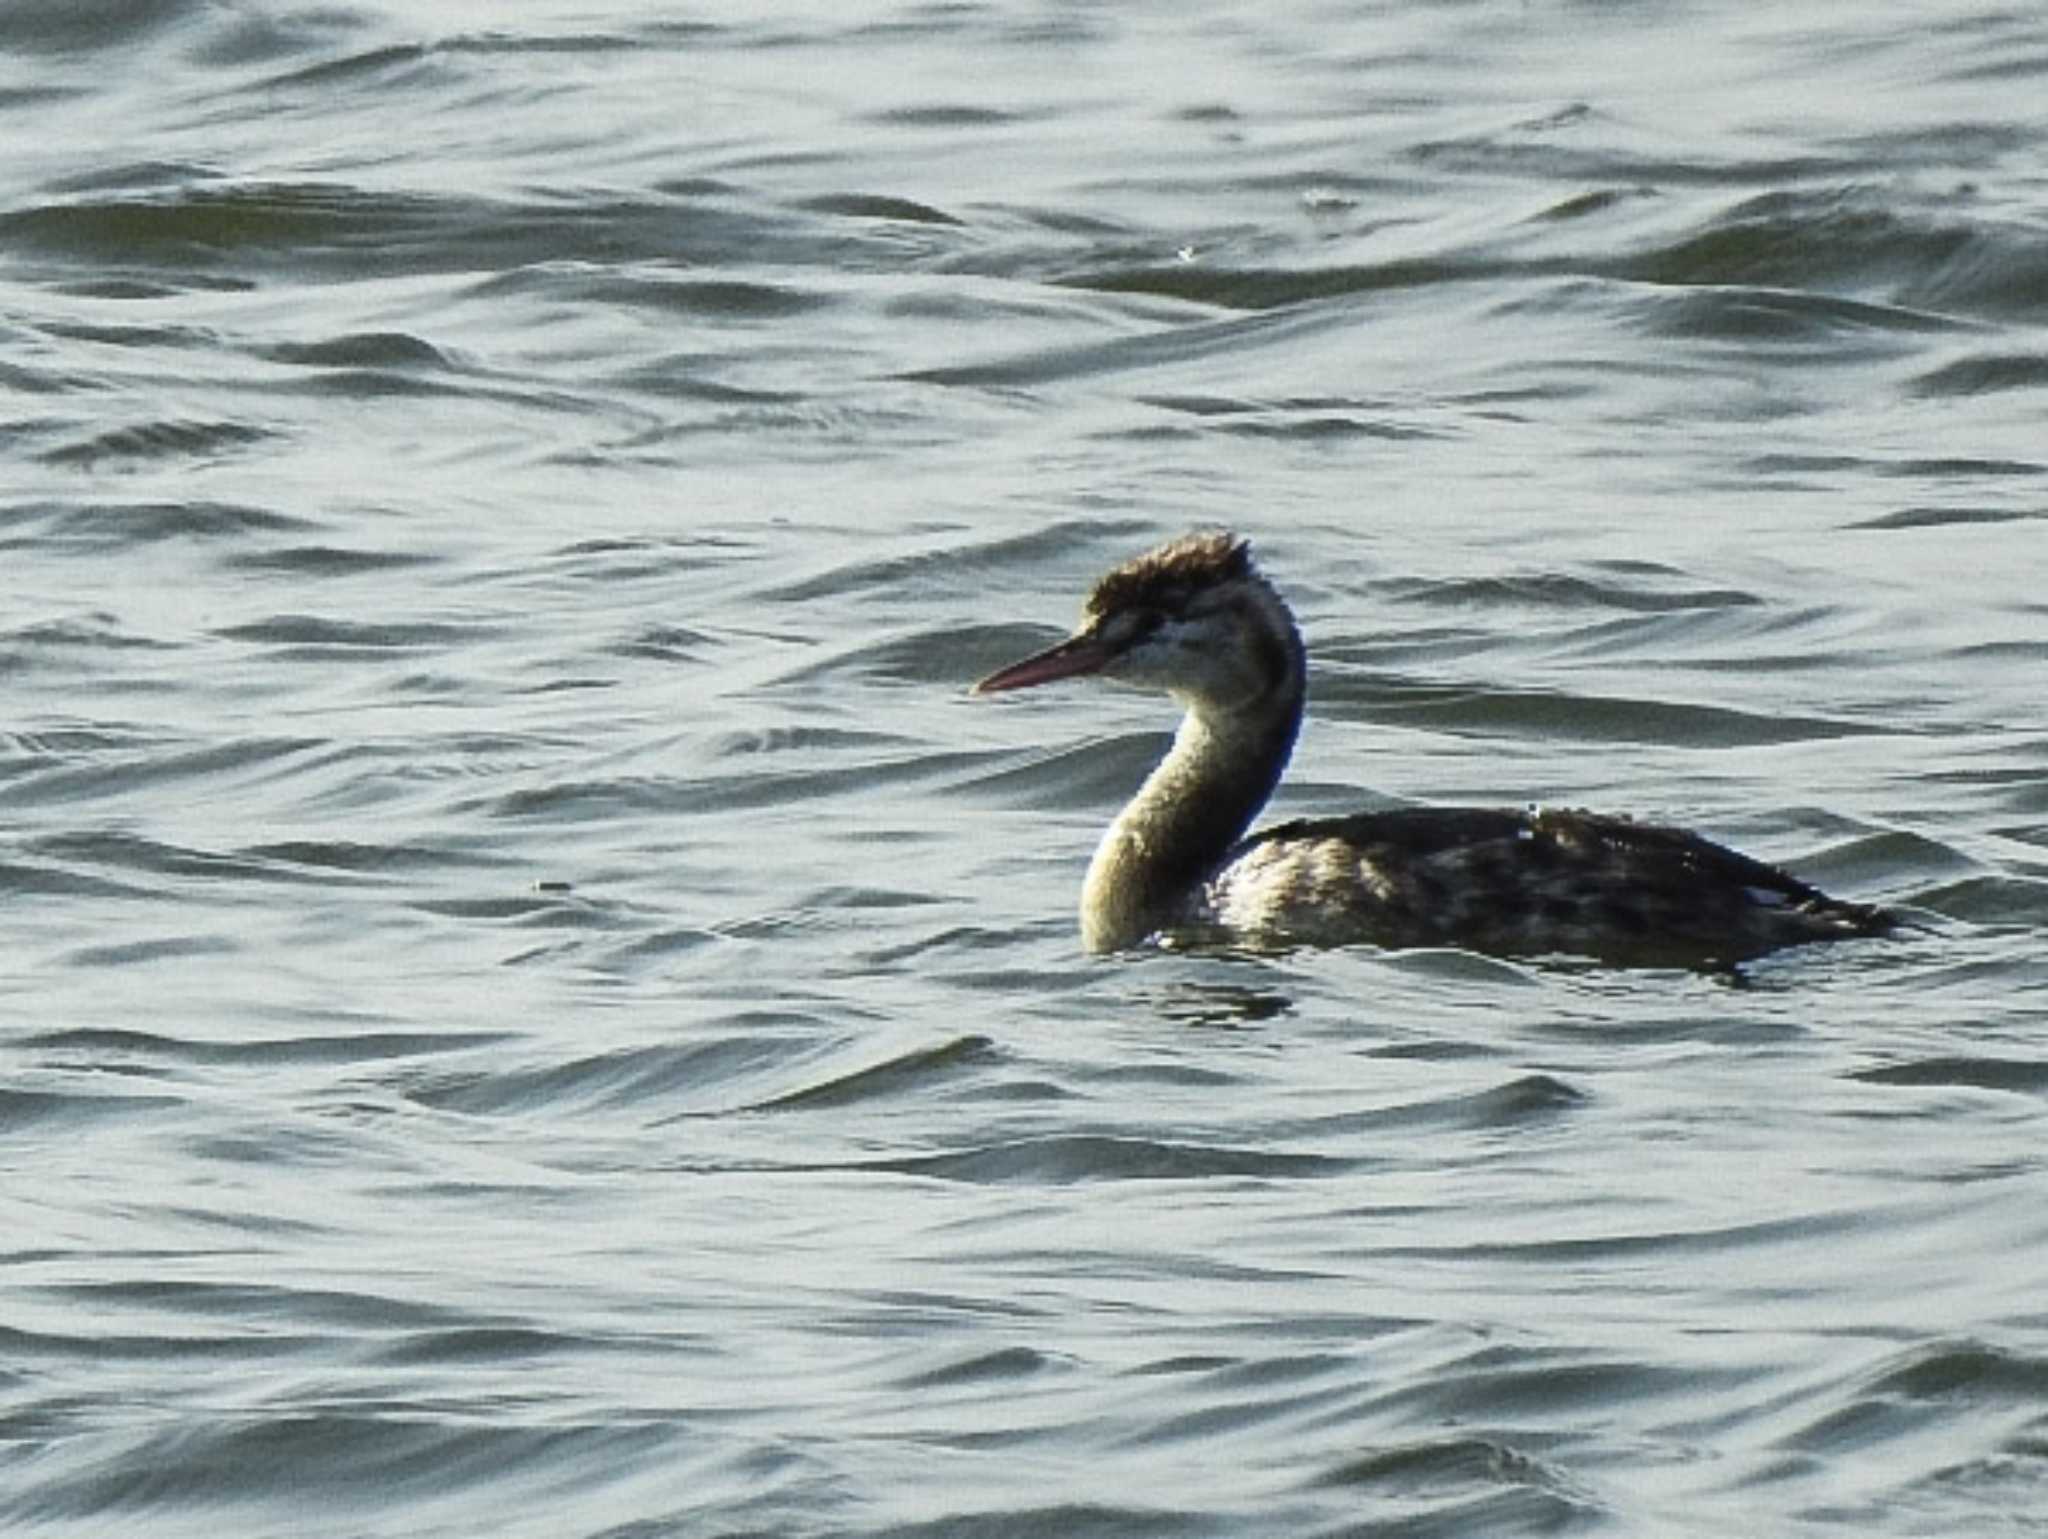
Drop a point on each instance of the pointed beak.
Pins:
(1077, 655)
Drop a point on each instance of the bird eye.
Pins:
(1128, 628)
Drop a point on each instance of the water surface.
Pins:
(535, 1004)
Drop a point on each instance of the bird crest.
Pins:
(1163, 579)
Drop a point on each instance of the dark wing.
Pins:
(1563, 880)
(1416, 830)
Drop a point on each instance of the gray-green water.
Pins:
(532, 1004)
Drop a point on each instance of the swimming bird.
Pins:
(1197, 620)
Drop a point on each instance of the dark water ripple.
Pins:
(534, 1003)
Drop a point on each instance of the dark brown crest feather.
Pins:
(1163, 578)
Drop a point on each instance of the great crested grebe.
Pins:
(1197, 620)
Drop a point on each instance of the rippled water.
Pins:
(533, 1004)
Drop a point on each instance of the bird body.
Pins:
(1196, 619)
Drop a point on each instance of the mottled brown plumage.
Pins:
(1196, 619)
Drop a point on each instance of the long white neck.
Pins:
(1191, 809)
